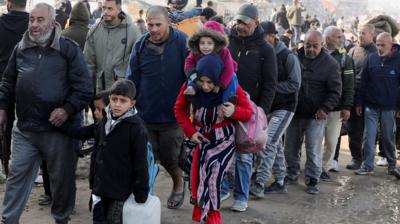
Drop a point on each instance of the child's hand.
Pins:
(189, 91)
(198, 138)
(228, 109)
(216, 89)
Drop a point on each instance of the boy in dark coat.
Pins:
(120, 158)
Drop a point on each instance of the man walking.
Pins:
(333, 44)
(257, 74)
(108, 45)
(378, 99)
(319, 94)
(281, 113)
(156, 68)
(48, 81)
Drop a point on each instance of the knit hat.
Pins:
(247, 13)
(80, 12)
(211, 66)
(213, 25)
(268, 27)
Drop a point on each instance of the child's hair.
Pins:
(124, 88)
(103, 96)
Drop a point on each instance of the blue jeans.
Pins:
(312, 131)
(387, 120)
(273, 157)
(243, 170)
(297, 33)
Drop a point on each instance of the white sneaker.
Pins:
(39, 179)
(239, 206)
(225, 196)
(382, 162)
(334, 166)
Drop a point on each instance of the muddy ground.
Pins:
(349, 199)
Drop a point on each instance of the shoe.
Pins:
(325, 176)
(257, 190)
(39, 179)
(353, 165)
(225, 196)
(239, 206)
(275, 188)
(395, 172)
(312, 186)
(382, 162)
(289, 181)
(334, 166)
(363, 171)
(45, 200)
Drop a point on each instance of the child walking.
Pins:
(211, 40)
(119, 162)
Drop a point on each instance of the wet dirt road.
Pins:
(348, 199)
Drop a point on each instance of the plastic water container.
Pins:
(146, 213)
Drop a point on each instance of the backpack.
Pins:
(152, 166)
(251, 136)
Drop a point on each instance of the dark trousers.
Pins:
(355, 132)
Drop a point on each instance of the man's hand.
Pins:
(321, 115)
(345, 114)
(228, 109)
(58, 117)
(3, 121)
(359, 111)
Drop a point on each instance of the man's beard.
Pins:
(43, 38)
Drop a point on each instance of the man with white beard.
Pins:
(48, 81)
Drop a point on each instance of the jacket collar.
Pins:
(258, 34)
(172, 36)
(26, 42)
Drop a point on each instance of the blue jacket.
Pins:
(380, 81)
(158, 77)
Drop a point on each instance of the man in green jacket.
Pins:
(295, 20)
(333, 44)
(108, 45)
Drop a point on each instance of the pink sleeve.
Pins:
(190, 62)
(229, 67)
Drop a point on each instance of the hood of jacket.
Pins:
(111, 124)
(220, 40)
(26, 42)
(80, 13)
(279, 46)
(15, 21)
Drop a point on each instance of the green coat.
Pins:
(294, 15)
(107, 51)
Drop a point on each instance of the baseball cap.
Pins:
(268, 27)
(247, 13)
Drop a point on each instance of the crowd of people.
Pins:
(145, 81)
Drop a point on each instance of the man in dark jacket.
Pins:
(333, 44)
(281, 113)
(379, 99)
(156, 68)
(281, 19)
(359, 53)
(78, 24)
(257, 74)
(48, 81)
(320, 92)
(12, 26)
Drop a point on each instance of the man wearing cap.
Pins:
(257, 74)
(280, 115)
(320, 92)
(12, 27)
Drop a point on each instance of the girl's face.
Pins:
(206, 45)
(206, 84)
